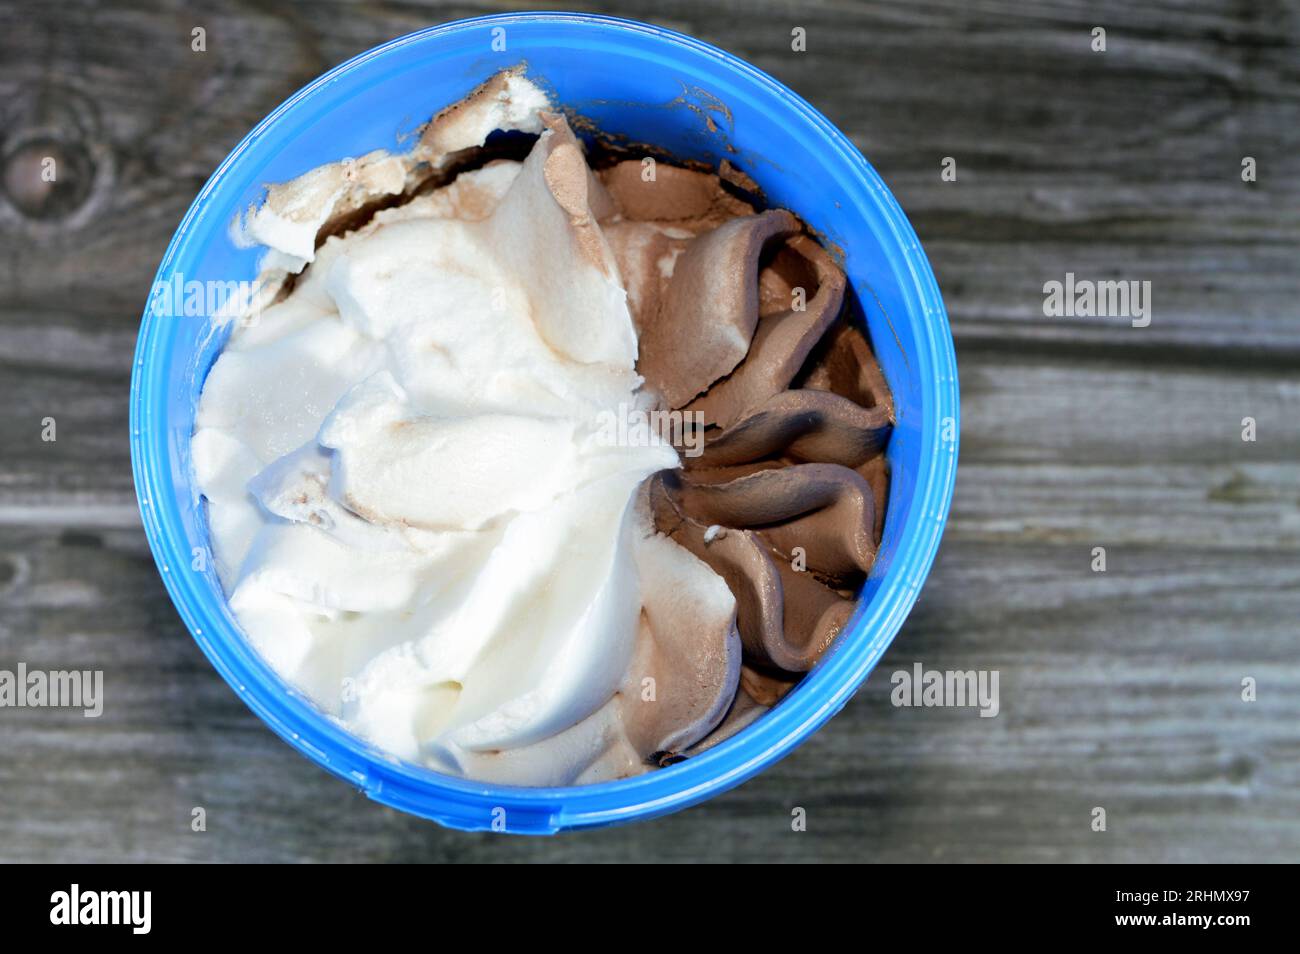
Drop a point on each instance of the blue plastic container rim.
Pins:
(470, 805)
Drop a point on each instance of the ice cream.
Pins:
(415, 505)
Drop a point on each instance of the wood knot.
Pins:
(45, 179)
(56, 164)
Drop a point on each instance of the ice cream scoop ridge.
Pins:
(414, 506)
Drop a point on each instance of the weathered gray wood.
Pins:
(1120, 689)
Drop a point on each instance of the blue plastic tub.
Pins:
(654, 86)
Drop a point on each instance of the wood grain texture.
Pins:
(1119, 689)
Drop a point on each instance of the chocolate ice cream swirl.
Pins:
(740, 321)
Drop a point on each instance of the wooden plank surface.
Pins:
(1119, 689)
